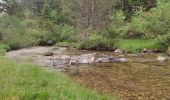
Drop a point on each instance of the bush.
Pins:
(65, 33)
(118, 27)
(18, 34)
(137, 26)
(97, 42)
(158, 22)
(152, 24)
(11, 30)
(165, 39)
(30, 23)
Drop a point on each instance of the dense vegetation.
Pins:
(85, 24)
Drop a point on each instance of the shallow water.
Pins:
(141, 78)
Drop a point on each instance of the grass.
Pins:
(3, 49)
(29, 82)
(137, 45)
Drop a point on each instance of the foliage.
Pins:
(30, 82)
(52, 11)
(165, 39)
(130, 7)
(72, 22)
(12, 7)
(151, 24)
(118, 26)
(18, 34)
(89, 14)
(65, 33)
(158, 22)
(97, 42)
(137, 26)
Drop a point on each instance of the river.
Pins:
(141, 78)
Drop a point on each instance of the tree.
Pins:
(89, 14)
(131, 6)
(12, 7)
(52, 10)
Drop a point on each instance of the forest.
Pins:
(124, 26)
(86, 24)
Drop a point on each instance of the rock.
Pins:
(160, 58)
(48, 54)
(50, 43)
(123, 60)
(116, 59)
(118, 51)
(145, 50)
(110, 59)
(102, 60)
(133, 55)
(121, 55)
(83, 59)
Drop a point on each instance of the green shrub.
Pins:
(19, 33)
(30, 23)
(97, 42)
(158, 21)
(137, 26)
(65, 33)
(11, 30)
(118, 28)
(165, 39)
(152, 24)
(28, 13)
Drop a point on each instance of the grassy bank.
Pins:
(29, 82)
(137, 45)
(3, 49)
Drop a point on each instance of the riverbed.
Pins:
(141, 78)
